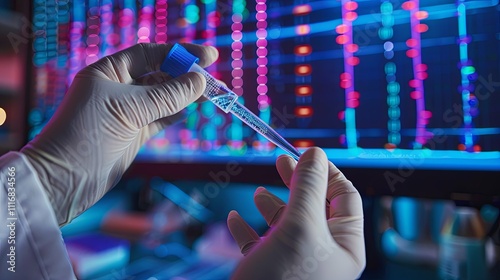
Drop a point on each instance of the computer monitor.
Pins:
(401, 95)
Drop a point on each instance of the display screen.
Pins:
(374, 83)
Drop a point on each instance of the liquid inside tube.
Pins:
(265, 130)
(226, 100)
(216, 92)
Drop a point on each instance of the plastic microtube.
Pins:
(179, 61)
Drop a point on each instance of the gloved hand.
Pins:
(110, 110)
(302, 242)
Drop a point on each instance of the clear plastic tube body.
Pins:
(226, 100)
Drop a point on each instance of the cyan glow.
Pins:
(393, 87)
(407, 217)
(181, 199)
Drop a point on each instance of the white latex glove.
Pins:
(110, 110)
(302, 242)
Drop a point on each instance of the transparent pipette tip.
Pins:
(263, 129)
(179, 61)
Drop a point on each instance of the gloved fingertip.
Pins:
(266, 201)
(198, 81)
(242, 233)
(259, 190)
(213, 52)
(285, 166)
(262, 196)
(269, 205)
(283, 158)
(206, 54)
(233, 214)
(314, 157)
(314, 152)
(209, 55)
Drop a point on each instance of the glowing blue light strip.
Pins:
(182, 199)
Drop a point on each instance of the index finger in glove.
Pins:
(157, 78)
(144, 58)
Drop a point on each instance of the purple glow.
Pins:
(348, 15)
(261, 52)
(417, 83)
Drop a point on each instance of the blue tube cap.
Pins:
(178, 61)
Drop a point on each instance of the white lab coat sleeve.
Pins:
(30, 239)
